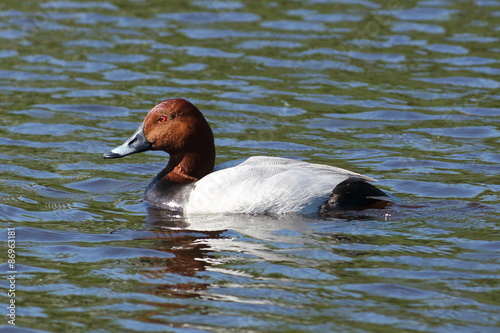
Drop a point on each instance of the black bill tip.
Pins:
(110, 154)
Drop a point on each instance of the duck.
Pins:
(191, 184)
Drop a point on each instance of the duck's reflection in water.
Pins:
(201, 245)
(196, 243)
(191, 252)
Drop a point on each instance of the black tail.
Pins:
(355, 194)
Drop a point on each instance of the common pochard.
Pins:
(190, 183)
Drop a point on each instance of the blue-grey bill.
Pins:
(135, 144)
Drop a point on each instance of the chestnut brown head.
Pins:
(175, 126)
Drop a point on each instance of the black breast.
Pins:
(167, 195)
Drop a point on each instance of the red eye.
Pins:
(162, 119)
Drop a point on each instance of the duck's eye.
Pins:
(162, 119)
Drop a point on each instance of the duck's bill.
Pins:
(135, 144)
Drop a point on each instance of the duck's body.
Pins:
(190, 184)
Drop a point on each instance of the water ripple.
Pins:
(405, 93)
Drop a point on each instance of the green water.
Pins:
(405, 92)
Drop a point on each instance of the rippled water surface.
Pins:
(402, 91)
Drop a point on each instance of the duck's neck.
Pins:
(188, 167)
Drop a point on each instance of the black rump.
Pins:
(355, 194)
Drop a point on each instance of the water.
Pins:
(405, 92)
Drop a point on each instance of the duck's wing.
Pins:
(267, 185)
(287, 163)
